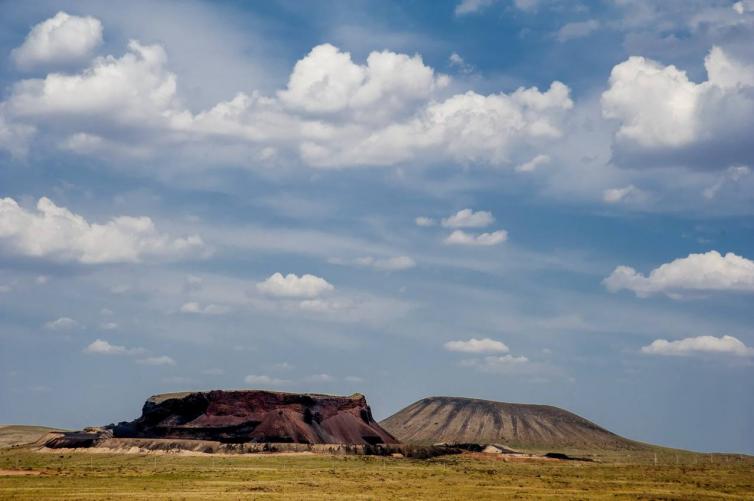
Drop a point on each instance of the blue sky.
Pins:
(529, 201)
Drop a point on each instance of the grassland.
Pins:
(82, 475)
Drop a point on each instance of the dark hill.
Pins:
(244, 416)
(257, 416)
(467, 420)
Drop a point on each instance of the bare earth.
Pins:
(467, 420)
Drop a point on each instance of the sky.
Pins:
(532, 201)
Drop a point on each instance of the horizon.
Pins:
(530, 201)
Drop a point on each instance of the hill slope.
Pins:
(467, 420)
(18, 434)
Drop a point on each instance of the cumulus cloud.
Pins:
(102, 347)
(61, 39)
(293, 286)
(333, 113)
(460, 237)
(709, 271)
(264, 380)
(725, 345)
(503, 364)
(424, 221)
(468, 128)
(659, 110)
(135, 90)
(328, 81)
(61, 324)
(193, 307)
(473, 345)
(56, 233)
(467, 218)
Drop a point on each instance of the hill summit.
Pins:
(434, 420)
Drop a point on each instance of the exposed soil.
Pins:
(467, 420)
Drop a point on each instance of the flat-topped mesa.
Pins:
(257, 416)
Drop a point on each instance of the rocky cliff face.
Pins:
(256, 416)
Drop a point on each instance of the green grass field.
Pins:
(84, 475)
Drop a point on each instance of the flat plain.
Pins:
(665, 474)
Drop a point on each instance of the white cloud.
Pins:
(456, 61)
(159, 360)
(424, 221)
(334, 113)
(579, 29)
(328, 81)
(725, 345)
(14, 137)
(743, 6)
(532, 164)
(57, 233)
(472, 6)
(467, 218)
(460, 237)
(319, 378)
(474, 345)
(615, 195)
(657, 107)
(397, 263)
(264, 380)
(503, 364)
(468, 128)
(60, 39)
(526, 5)
(325, 306)
(209, 309)
(102, 347)
(108, 326)
(62, 323)
(731, 176)
(291, 285)
(698, 272)
(134, 91)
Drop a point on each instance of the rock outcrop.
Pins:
(256, 416)
(467, 420)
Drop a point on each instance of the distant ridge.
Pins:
(468, 420)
